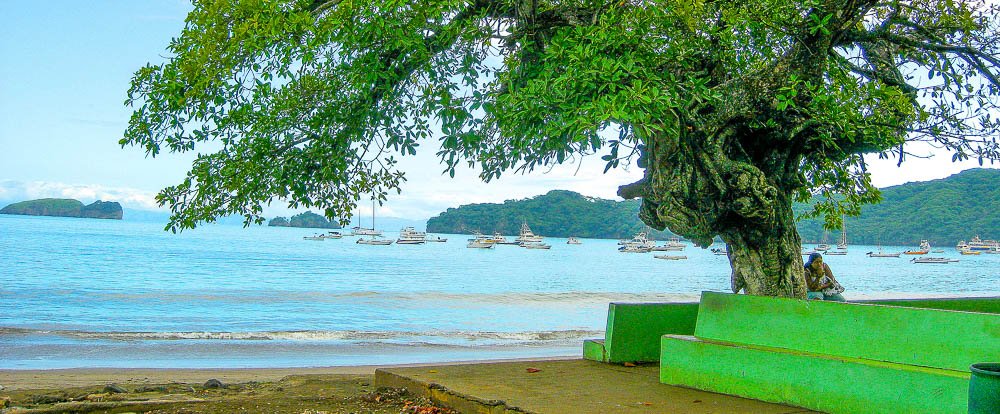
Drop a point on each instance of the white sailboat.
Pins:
(375, 235)
(842, 244)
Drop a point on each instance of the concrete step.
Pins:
(819, 382)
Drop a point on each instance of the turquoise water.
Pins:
(97, 293)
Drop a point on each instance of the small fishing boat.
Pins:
(880, 254)
(541, 246)
(480, 244)
(669, 257)
(573, 240)
(334, 235)
(720, 251)
(634, 248)
(372, 241)
(925, 247)
(318, 237)
(933, 260)
(970, 252)
(836, 252)
(435, 239)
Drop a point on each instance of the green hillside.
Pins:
(943, 211)
(559, 213)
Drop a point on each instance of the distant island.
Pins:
(307, 220)
(942, 211)
(65, 207)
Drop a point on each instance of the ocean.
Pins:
(103, 293)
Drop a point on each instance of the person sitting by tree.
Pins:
(819, 278)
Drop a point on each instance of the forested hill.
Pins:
(943, 211)
(559, 213)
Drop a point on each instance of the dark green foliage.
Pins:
(307, 219)
(942, 211)
(64, 207)
(559, 213)
(278, 222)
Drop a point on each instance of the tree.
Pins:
(733, 109)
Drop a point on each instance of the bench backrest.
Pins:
(634, 329)
(925, 337)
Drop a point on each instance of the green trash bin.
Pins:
(984, 388)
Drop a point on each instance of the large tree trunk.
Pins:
(698, 187)
(766, 258)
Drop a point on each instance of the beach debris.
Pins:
(214, 383)
(533, 370)
(410, 407)
(629, 364)
(114, 389)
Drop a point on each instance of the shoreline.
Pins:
(39, 379)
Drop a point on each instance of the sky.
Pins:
(65, 67)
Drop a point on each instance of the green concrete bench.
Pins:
(634, 329)
(832, 357)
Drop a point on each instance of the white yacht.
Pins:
(373, 241)
(481, 241)
(409, 235)
(527, 236)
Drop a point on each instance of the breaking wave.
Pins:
(431, 337)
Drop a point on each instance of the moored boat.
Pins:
(933, 260)
(880, 254)
(409, 235)
(541, 246)
(573, 240)
(480, 244)
(635, 248)
(925, 247)
(527, 236)
(669, 257)
(373, 241)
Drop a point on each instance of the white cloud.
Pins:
(13, 191)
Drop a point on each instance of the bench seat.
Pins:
(816, 381)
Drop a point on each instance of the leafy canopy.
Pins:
(311, 101)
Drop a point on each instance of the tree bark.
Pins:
(766, 258)
(699, 187)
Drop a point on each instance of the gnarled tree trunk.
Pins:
(699, 187)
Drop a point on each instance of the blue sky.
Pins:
(65, 67)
